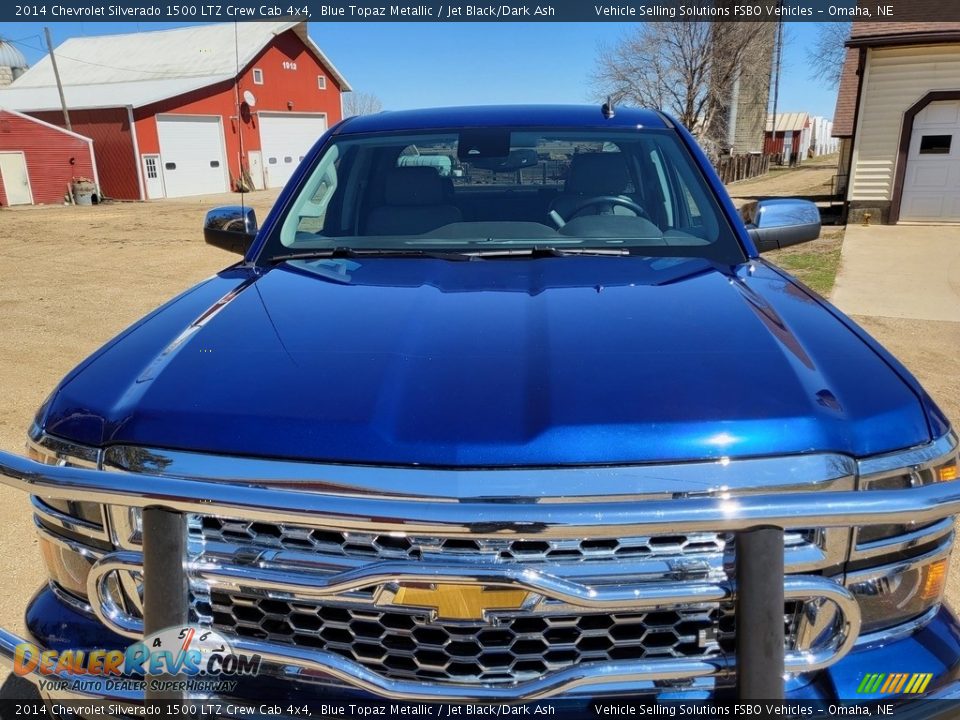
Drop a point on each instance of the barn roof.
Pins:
(789, 122)
(141, 68)
(41, 123)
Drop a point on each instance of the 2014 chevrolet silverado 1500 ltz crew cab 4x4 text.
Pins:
(501, 404)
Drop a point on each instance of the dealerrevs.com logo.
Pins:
(198, 659)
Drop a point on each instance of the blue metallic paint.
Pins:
(936, 419)
(573, 360)
(54, 625)
(519, 362)
(561, 116)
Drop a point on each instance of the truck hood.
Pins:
(536, 362)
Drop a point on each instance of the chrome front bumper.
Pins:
(580, 503)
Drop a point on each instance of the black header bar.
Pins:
(194, 11)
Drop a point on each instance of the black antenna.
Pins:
(607, 108)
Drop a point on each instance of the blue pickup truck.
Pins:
(544, 428)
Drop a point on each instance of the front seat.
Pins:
(415, 202)
(591, 175)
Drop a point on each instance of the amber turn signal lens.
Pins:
(934, 578)
(945, 473)
(66, 566)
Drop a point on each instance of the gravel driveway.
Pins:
(75, 277)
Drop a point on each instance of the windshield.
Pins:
(499, 191)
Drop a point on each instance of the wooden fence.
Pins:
(732, 168)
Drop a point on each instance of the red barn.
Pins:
(192, 110)
(38, 160)
(791, 141)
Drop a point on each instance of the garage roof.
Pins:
(789, 122)
(141, 68)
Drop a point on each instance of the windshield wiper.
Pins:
(466, 254)
(345, 252)
(547, 251)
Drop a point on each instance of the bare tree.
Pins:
(828, 52)
(682, 67)
(361, 103)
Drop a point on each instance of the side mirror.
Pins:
(231, 227)
(780, 222)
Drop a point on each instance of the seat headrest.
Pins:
(414, 186)
(598, 173)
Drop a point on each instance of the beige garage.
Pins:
(931, 185)
(898, 116)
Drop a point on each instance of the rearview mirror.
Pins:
(781, 222)
(232, 227)
(516, 160)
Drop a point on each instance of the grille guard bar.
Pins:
(623, 597)
(759, 520)
(533, 517)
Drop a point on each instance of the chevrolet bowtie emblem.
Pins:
(455, 602)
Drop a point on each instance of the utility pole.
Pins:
(776, 81)
(56, 74)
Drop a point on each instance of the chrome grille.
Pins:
(277, 536)
(509, 647)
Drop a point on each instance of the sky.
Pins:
(410, 65)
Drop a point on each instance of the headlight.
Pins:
(933, 464)
(68, 563)
(897, 593)
(908, 562)
(72, 535)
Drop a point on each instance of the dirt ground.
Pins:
(812, 179)
(74, 277)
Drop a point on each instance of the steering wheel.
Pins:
(607, 200)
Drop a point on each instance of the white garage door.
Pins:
(284, 140)
(192, 155)
(931, 187)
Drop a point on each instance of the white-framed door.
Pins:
(285, 138)
(153, 176)
(193, 155)
(16, 180)
(255, 165)
(931, 183)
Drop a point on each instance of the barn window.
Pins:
(170, 166)
(257, 76)
(321, 82)
(935, 144)
(271, 161)
(288, 159)
(151, 164)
